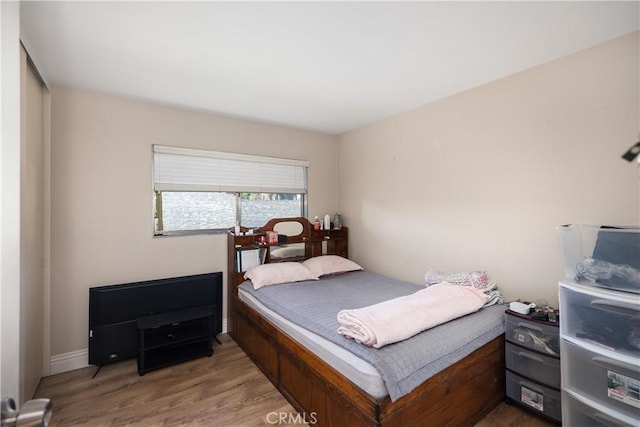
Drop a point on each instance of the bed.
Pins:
(334, 387)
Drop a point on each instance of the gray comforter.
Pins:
(314, 305)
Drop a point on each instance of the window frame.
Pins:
(157, 209)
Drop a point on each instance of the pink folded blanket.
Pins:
(401, 318)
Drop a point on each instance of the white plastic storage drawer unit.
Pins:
(541, 399)
(601, 355)
(533, 365)
(582, 412)
(611, 382)
(600, 328)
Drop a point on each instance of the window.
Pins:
(199, 191)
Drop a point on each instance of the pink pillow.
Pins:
(330, 264)
(278, 272)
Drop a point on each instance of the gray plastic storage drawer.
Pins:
(534, 335)
(612, 382)
(533, 365)
(607, 318)
(541, 399)
(579, 413)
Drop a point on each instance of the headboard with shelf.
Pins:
(310, 243)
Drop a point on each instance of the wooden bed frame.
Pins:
(459, 395)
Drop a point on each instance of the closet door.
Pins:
(32, 220)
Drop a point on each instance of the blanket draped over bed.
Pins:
(403, 365)
(400, 318)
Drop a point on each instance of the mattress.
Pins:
(358, 371)
(307, 312)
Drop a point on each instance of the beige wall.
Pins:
(480, 180)
(101, 198)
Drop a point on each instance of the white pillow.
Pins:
(278, 272)
(330, 264)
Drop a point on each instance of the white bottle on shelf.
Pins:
(327, 222)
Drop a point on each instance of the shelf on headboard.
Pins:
(316, 243)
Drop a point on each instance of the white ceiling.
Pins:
(326, 66)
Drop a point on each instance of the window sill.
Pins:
(178, 233)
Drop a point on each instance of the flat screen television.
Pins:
(114, 310)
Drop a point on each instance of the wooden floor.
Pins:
(226, 389)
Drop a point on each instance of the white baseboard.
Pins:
(80, 358)
(68, 361)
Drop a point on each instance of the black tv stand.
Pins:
(114, 311)
(173, 337)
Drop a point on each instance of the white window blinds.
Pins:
(183, 169)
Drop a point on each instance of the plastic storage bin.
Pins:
(582, 412)
(533, 335)
(533, 365)
(610, 382)
(608, 319)
(541, 399)
(602, 256)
